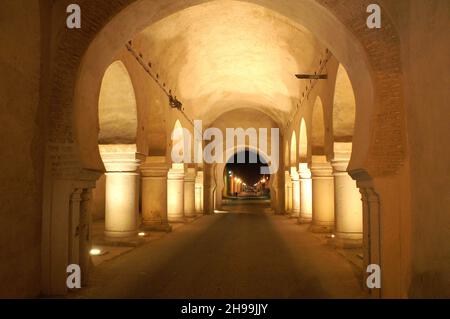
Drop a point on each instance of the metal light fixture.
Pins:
(312, 76)
(175, 103)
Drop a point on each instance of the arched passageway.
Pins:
(244, 179)
(114, 94)
(224, 93)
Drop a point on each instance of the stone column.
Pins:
(371, 226)
(208, 190)
(154, 194)
(305, 194)
(85, 235)
(348, 206)
(295, 193)
(232, 186)
(74, 227)
(175, 193)
(189, 192)
(122, 190)
(199, 193)
(288, 192)
(322, 195)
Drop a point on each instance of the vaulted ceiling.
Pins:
(226, 55)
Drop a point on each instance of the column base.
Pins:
(178, 220)
(157, 226)
(319, 229)
(190, 215)
(344, 240)
(294, 214)
(305, 220)
(120, 234)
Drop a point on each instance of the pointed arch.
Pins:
(303, 142)
(178, 143)
(344, 107)
(117, 106)
(286, 155)
(293, 159)
(318, 128)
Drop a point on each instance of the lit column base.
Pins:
(347, 240)
(322, 195)
(154, 195)
(122, 190)
(175, 194)
(305, 194)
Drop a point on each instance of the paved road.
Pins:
(244, 253)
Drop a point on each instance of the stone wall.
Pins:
(21, 140)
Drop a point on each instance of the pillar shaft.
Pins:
(232, 184)
(74, 227)
(189, 192)
(295, 213)
(348, 205)
(122, 190)
(85, 235)
(199, 193)
(208, 190)
(175, 193)
(322, 195)
(288, 192)
(305, 194)
(154, 194)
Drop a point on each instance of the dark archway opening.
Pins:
(243, 179)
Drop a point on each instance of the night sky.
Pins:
(249, 173)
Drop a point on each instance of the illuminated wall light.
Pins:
(141, 234)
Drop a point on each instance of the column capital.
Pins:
(155, 166)
(199, 177)
(294, 174)
(320, 167)
(120, 158)
(304, 171)
(342, 155)
(190, 175)
(86, 195)
(76, 195)
(287, 176)
(176, 172)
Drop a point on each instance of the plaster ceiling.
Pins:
(225, 54)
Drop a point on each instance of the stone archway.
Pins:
(118, 129)
(320, 17)
(82, 58)
(293, 150)
(219, 170)
(318, 129)
(303, 142)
